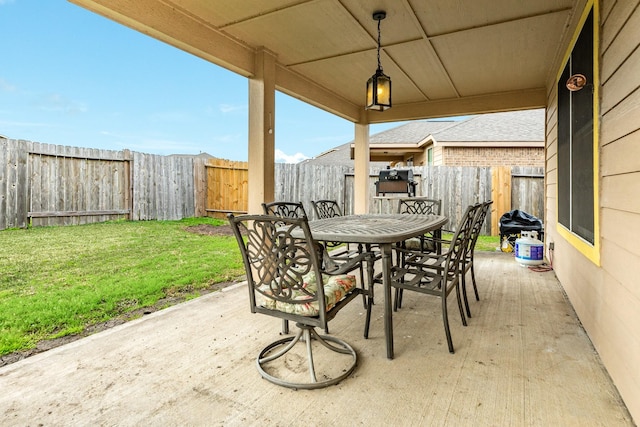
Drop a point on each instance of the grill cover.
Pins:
(395, 175)
(516, 221)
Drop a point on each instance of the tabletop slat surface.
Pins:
(374, 228)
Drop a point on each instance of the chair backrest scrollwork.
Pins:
(419, 205)
(326, 208)
(281, 259)
(285, 209)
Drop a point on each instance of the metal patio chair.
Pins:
(420, 206)
(326, 208)
(437, 274)
(283, 267)
(285, 209)
(332, 261)
(467, 263)
(425, 243)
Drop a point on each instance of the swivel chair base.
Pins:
(282, 374)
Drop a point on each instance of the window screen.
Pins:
(575, 140)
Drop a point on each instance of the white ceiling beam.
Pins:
(312, 93)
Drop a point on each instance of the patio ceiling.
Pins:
(445, 57)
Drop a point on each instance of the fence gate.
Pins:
(527, 190)
(227, 187)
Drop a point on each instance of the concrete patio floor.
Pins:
(524, 360)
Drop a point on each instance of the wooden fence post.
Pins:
(200, 186)
(14, 192)
(128, 185)
(500, 194)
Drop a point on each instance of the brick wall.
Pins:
(492, 156)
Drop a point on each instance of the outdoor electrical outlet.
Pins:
(550, 246)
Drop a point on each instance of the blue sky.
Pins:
(71, 77)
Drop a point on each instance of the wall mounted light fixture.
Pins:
(379, 85)
(576, 82)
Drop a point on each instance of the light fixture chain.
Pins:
(379, 66)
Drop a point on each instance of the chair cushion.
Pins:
(335, 288)
(414, 244)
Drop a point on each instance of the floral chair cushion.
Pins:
(335, 288)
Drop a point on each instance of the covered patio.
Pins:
(451, 58)
(524, 359)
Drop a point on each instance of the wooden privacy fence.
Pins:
(46, 184)
(163, 187)
(509, 187)
(67, 185)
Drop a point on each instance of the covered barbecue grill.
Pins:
(396, 181)
(513, 223)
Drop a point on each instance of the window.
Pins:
(577, 141)
(430, 156)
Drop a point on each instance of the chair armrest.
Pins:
(423, 259)
(344, 262)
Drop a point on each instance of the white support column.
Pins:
(361, 174)
(262, 132)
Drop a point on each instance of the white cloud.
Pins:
(17, 124)
(285, 158)
(229, 108)
(227, 138)
(172, 117)
(57, 102)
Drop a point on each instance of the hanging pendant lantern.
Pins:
(379, 85)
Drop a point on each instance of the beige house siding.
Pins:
(492, 156)
(607, 298)
(420, 159)
(438, 155)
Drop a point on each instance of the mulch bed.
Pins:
(210, 230)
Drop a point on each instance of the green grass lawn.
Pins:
(56, 281)
(484, 243)
(488, 243)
